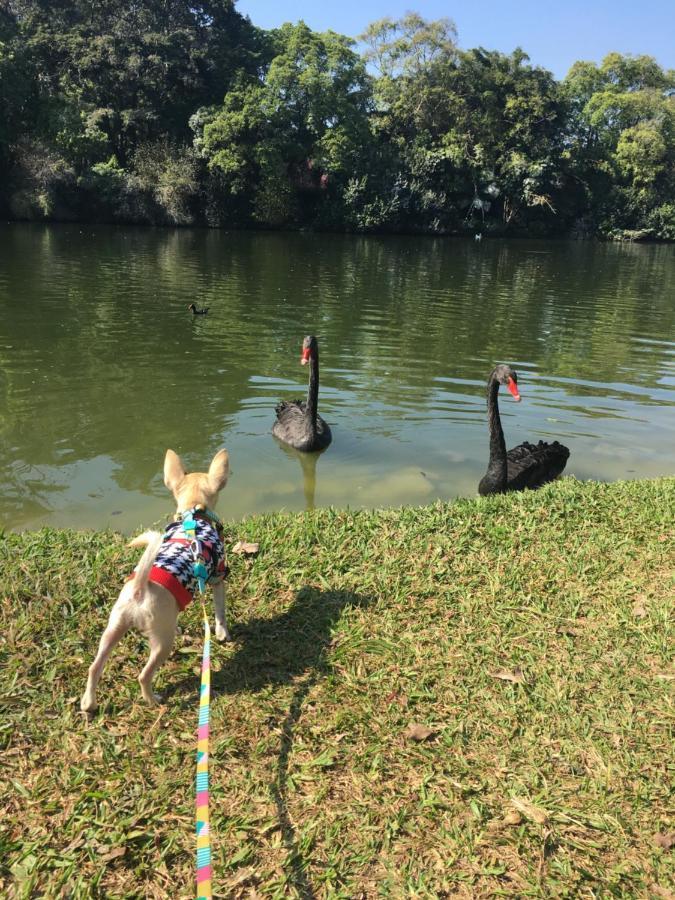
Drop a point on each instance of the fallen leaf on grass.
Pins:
(114, 854)
(395, 697)
(659, 891)
(639, 608)
(416, 732)
(665, 840)
(243, 548)
(511, 817)
(516, 676)
(530, 811)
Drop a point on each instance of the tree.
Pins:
(296, 134)
(477, 133)
(140, 69)
(621, 143)
(17, 89)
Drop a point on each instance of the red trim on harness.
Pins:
(173, 585)
(181, 595)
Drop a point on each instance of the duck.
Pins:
(198, 312)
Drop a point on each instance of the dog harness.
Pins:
(174, 566)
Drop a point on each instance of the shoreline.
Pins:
(466, 234)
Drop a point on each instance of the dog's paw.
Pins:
(153, 699)
(88, 705)
(222, 633)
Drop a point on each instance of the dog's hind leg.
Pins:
(160, 648)
(117, 627)
(222, 631)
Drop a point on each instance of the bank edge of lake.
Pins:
(530, 633)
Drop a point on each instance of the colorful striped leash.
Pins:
(202, 785)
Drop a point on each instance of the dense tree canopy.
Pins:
(284, 140)
(622, 142)
(179, 113)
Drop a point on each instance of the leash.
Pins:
(202, 782)
(202, 827)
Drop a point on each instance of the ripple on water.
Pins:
(103, 366)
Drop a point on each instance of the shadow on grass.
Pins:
(278, 650)
(285, 649)
(290, 647)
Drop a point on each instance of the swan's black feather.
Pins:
(531, 465)
(290, 407)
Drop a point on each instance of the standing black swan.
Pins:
(527, 465)
(298, 422)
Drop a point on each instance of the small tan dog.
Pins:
(163, 582)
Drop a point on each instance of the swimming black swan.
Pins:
(527, 465)
(198, 312)
(298, 422)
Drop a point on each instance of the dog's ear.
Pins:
(174, 473)
(219, 470)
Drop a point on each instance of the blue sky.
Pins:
(553, 34)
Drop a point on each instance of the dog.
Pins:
(164, 580)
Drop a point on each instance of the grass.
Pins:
(531, 636)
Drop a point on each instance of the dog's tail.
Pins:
(152, 540)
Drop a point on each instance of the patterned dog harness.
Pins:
(174, 564)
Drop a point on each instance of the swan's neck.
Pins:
(497, 462)
(313, 389)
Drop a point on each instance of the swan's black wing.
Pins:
(289, 409)
(531, 465)
(293, 427)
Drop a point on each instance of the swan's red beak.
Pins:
(304, 359)
(513, 389)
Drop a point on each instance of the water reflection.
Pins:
(308, 463)
(102, 367)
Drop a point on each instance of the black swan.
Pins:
(198, 312)
(298, 422)
(527, 465)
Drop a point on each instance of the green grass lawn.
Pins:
(531, 635)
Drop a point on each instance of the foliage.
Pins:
(285, 139)
(409, 46)
(116, 78)
(622, 142)
(211, 120)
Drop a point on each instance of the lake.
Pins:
(102, 366)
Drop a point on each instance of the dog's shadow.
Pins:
(280, 649)
(292, 647)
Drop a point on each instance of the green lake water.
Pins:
(102, 367)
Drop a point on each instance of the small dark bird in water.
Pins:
(198, 312)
